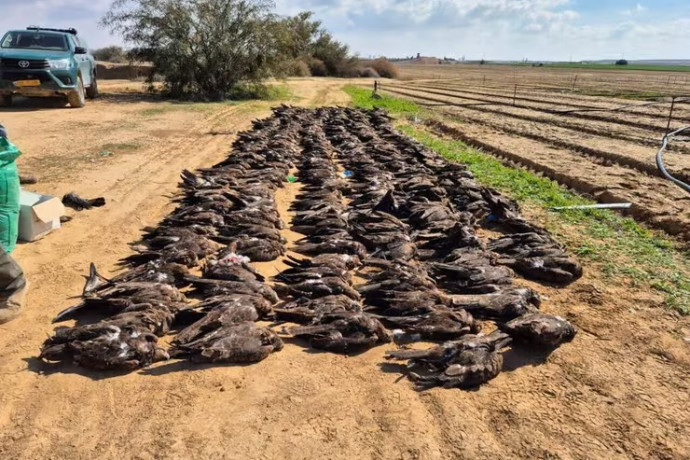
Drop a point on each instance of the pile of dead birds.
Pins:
(373, 206)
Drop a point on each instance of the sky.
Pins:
(490, 29)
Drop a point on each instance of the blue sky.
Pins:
(493, 29)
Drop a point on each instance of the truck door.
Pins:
(83, 61)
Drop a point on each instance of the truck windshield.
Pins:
(34, 41)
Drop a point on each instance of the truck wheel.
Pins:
(77, 98)
(6, 101)
(92, 91)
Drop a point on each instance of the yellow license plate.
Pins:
(25, 83)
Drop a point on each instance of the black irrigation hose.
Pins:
(660, 158)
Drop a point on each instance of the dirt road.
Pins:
(619, 391)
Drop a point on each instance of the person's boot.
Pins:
(12, 303)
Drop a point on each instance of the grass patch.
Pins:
(626, 251)
(361, 97)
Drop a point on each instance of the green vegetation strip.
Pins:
(626, 252)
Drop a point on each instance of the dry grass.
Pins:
(382, 66)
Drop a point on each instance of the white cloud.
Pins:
(496, 29)
(637, 10)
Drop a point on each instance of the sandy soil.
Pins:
(619, 391)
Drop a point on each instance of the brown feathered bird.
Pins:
(466, 363)
(305, 310)
(439, 324)
(344, 331)
(234, 343)
(118, 298)
(539, 329)
(103, 347)
(216, 319)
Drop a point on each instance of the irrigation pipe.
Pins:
(660, 158)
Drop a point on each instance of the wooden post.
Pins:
(575, 82)
(670, 115)
(515, 95)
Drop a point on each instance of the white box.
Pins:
(38, 215)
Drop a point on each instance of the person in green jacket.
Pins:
(13, 284)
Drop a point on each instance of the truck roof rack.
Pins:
(71, 30)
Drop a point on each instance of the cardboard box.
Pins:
(38, 215)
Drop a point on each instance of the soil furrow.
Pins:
(619, 120)
(659, 111)
(659, 203)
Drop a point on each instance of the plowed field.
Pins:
(601, 146)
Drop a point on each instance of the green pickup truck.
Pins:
(39, 62)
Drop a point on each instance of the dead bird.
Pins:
(231, 267)
(344, 261)
(343, 331)
(465, 363)
(212, 288)
(216, 319)
(117, 298)
(540, 329)
(408, 303)
(318, 287)
(504, 305)
(154, 318)
(193, 313)
(255, 231)
(538, 257)
(335, 245)
(293, 276)
(156, 271)
(103, 347)
(305, 310)
(72, 200)
(470, 279)
(257, 249)
(438, 324)
(233, 343)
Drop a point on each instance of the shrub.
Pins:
(317, 67)
(114, 54)
(298, 68)
(369, 72)
(385, 68)
(621, 62)
(347, 68)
